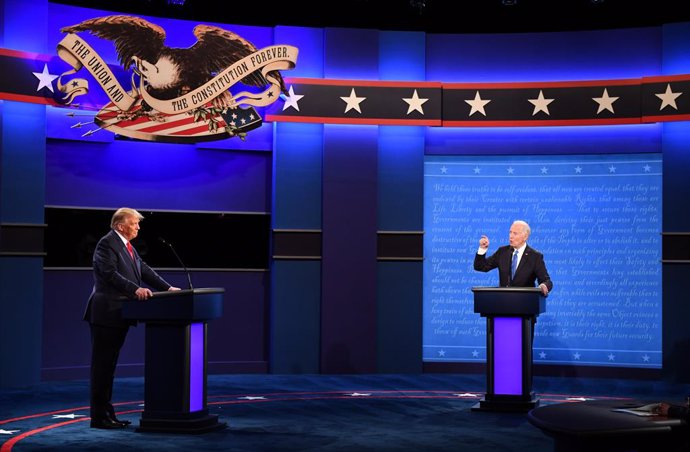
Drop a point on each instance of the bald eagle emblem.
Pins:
(207, 91)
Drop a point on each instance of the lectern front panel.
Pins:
(197, 361)
(507, 355)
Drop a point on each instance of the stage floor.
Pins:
(429, 412)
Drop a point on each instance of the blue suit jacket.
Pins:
(532, 267)
(117, 275)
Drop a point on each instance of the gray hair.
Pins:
(525, 226)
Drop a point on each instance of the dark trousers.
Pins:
(106, 343)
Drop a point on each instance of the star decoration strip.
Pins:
(28, 77)
(360, 102)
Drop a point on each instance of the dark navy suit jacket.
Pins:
(532, 267)
(117, 275)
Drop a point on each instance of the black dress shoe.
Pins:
(121, 421)
(107, 423)
(111, 415)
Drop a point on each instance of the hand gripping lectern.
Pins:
(175, 367)
(510, 314)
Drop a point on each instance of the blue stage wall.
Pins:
(347, 283)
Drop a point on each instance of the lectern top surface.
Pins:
(201, 291)
(507, 289)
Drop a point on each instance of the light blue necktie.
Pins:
(513, 265)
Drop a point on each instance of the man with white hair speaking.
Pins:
(519, 265)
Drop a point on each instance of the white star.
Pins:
(477, 170)
(7, 432)
(441, 353)
(252, 398)
(612, 169)
(645, 358)
(67, 416)
(647, 168)
(578, 399)
(45, 79)
(353, 101)
(415, 103)
(578, 169)
(612, 357)
(291, 100)
(544, 170)
(540, 104)
(477, 104)
(511, 170)
(444, 170)
(576, 355)
(475, 353)
(668, 98)
(542, 355)
(466, 394)
(605, 102)
(358, 394)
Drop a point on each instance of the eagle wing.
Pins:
(132, 36)
(217, 49)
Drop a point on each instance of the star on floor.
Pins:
(540, 104)
(466, 395)
(415, 103)
(252, 398)
(352, 101)
(67, 416)
(358, 394)
(7, 432)
(45, 79)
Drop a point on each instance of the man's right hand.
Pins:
(143, 294)
(484, 242)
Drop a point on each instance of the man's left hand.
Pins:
(544, 289)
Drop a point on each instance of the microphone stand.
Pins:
(184, 267)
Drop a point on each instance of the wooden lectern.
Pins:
(175, 366)
(510, 314)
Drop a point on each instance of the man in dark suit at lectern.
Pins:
(519, 265)
(118, 271)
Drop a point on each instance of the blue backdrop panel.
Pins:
(295, 311)
(597, 219)
(400, 208)
(351, 54)
(399, 317)
(585, 55)
(627, 139)
(22, 169)
(297, 176)
(295, 317)
(156, 176)
(401, 159)
(20, 322)
(348, 307)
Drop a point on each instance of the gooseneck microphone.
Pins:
(189, 276)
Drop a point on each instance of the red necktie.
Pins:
(131, 251)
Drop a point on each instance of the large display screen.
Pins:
(596, 219)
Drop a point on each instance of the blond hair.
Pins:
(122, 214)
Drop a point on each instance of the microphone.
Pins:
(184, 267)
